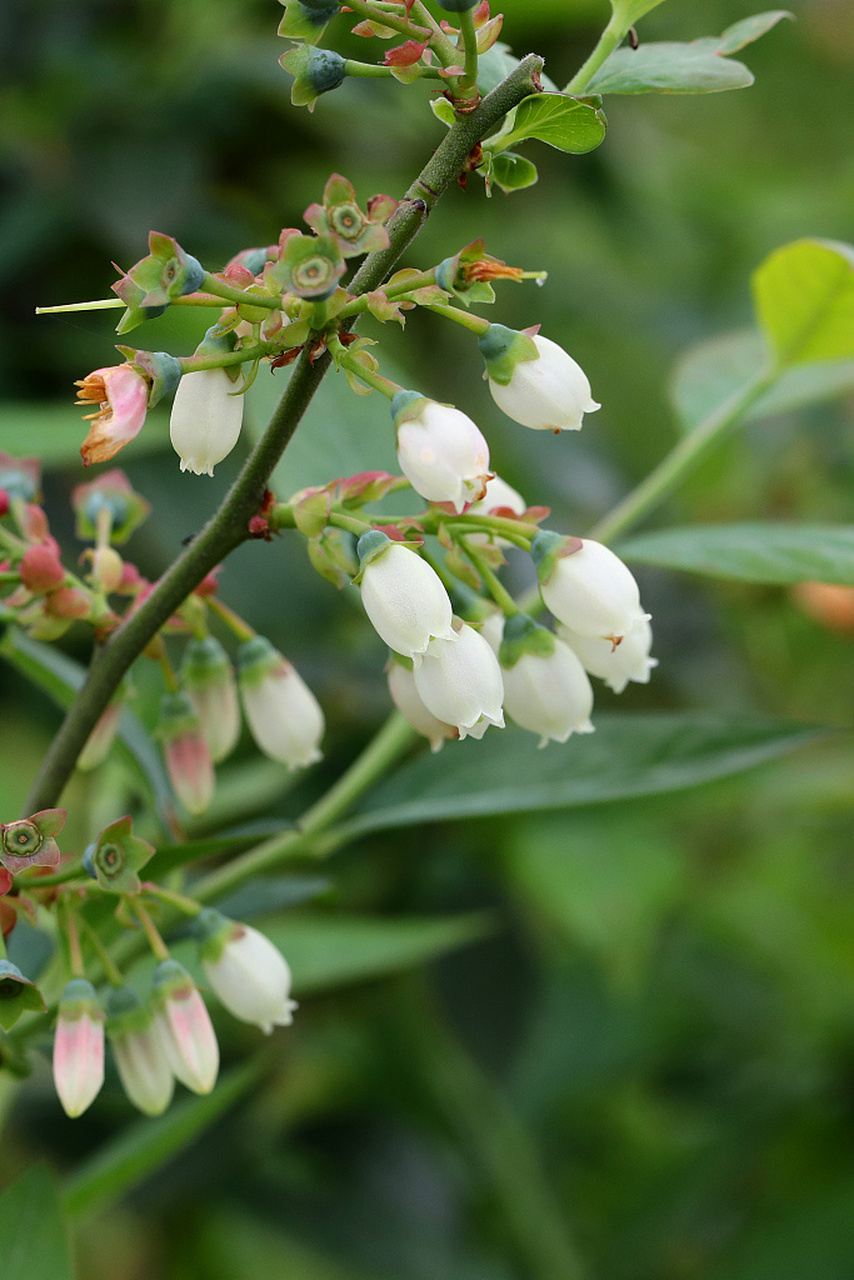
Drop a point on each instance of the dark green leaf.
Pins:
(142, 1149)
(669, 68)
(629, 755)
(779, 553)
(33, 1244)
(712, 372)
(570, 124)
(326, 950)
(804, 298)
(60, 677)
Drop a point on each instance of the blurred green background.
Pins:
(643, 1055)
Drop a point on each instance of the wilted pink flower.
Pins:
(122, 394)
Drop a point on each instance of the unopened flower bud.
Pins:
(284, 716)
(41, 568)
(403, 596)
(586, 586)
(185, 1029)
(546, 689)
(208, 677)
(187, 754)
(140, 1058)
(248, 973)
(407, 699)
(534, 381)
(206, 420)
(460, 682)
(78, 1047)
(441, 452)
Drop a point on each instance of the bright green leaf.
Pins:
(669, 68)
(712, 372)
(327, 950)
(570, 124)
(512, 173)
(33, 1244)
(629, 755)
(778, 553)
(804, 298)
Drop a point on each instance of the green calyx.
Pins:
(17, 995)
(177, 716)
(205, 664)
(126, 1013)
(78, 1000)
(502, 349)
(370, 545)
(312, 266)
(523, 635)
(214, 931)
(169, 980)
(257, 658)
(406, 406)
(116, 857)
(315, 71)
(305, 19)
(548, 547)
(162, 371)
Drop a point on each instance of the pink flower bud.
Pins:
(184, 1026)
(440, 450)
(41, 569)
(187, 755)
(78, 1048)
(208, 677)
(122, 394)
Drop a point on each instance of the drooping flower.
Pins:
(140, 1057)
(586, 586)
(208, 677)
(403, 596)
(615, 664)
(248, 973)
(29, 842)
(546, 689)
(78, 1047)
(206, 420)
(407, 699)
(121, 392)
(534, 381)
(185, 1029)
(187, 754)
(284, 716)
(460, 682)
(441, 451)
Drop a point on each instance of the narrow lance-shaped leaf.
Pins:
(32, 1233)
(770, 553)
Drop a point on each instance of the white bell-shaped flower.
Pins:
(460, 682)
(284, 716)
(248, 973)
(586, 586)
(534, 381)
(403, 596)
(407, 699)
(549, 693)
(206, 420)
(140, 1058)
(615, 664)
(442, 453)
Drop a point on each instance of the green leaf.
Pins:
(628, 11)
(511, 172)
(713, 371)
(326, 950)
(570, 124)
(804, 298)
(629, 755)
(145, 1147)
(60, 677)
(33, 1244)
(778, 553)
(669, 68)
(749, 29)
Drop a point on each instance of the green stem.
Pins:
(220, 289)
(682, 459)
(371, 379)
(467, 82)
(497, 589)
(192, 364)
(228, 528)
(232, 620)
(439, 42)
(369, 13)
(359, 305)
(111, 970)
(610, 38)
(393, 739)
(158, 946)
(475, 324)
(376, 70)
(187, 906)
